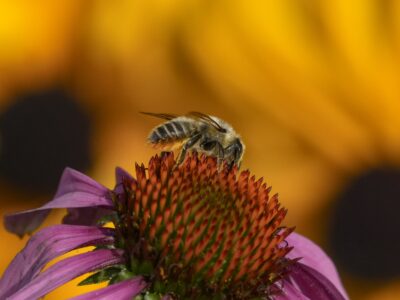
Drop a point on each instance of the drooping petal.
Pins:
(25, 222)
(75, 190)
(90, 215)
(313, 256)
(44, 246)
(313, 284)
(66, 270)
(73, 181)
(124, 290)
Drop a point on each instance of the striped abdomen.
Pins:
(172, 130)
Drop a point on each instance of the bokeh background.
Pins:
(313, 87)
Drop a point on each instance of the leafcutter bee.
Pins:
(198, 132)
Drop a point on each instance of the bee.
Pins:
(198, 132)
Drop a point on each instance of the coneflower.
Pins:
(191, 231)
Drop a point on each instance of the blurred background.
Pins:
(313, 87)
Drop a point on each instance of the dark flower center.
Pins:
(43, 131)
(365, 225)
(196, 231)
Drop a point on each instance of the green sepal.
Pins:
(159, 287)
(112, 217)
(146, 268)
(152, 296)
(176, 287)
(121, 276)
(98, 247)
(103, 275)
(141, 267)
(148, 296)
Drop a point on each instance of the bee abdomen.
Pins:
(170, 131)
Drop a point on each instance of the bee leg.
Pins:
(164, 153)
(193, 140)
(235, 150)
(210, 145)
(220, 154)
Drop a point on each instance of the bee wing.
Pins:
(161, 116)
(206, 118)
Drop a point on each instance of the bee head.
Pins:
(238, 151)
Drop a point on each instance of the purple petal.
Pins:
(290, 292)
(121, 176)
(73, 180)
(313, 256)
(44, 246)
(313, 284)
(85, 215)
(22, 223)
(124, 290)
(75, 190)
(66, 270)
